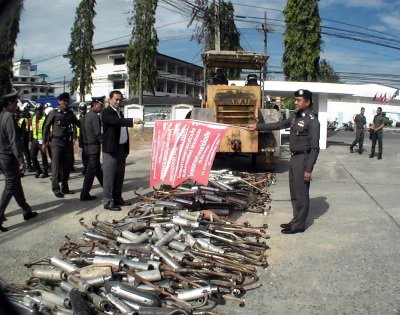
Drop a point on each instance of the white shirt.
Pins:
(123, 137)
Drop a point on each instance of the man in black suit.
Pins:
(91, 138)
(115, 150)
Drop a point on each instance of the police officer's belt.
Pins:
(300, 152)
(60, 138)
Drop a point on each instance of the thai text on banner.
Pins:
(184, 149)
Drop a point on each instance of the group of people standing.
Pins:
(100, 131)
(376, 132)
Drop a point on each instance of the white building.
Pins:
(175, 77)
(342, 101)
(30, 87)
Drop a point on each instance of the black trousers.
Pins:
(114, 174)
(359, 139)
(60, 164)
(299, 191)
(93, 169)
(35, 148)
(85, 158)
(25, 151)
(377, 136)
(13, 185)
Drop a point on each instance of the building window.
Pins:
(119, 61)
(118, 85)
(41, 90)
(26, 92)
(23, 79)
(32, 79)
(34, 90)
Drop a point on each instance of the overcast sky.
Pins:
(46, 24)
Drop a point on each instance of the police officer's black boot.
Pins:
(38, 173)
(45, 174)
(351, 149)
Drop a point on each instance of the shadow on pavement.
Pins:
(318, 207)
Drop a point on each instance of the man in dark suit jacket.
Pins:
(91, 138)
(115, 150)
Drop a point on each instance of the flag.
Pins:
(396, 93)
(33, 68)
(184, 149)
(380, 98)
(375, 97)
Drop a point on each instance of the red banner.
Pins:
(184, 149)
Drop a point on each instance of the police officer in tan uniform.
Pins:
(60, 122)
(304, 147)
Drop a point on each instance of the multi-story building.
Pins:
(30, 87)
(175, 77)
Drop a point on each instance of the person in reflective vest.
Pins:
(36, 140)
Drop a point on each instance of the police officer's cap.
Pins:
(63, 96)
(82, 105)
(306, 94)
(39, 107)
(99, 99)
(13, 96)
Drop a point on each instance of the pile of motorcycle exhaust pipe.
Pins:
(174, 253)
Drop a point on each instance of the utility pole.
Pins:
(265, 31)
(217, 5)
(140, 89)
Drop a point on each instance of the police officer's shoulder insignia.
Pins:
(300, 123)
(303, 115)
(312, 116)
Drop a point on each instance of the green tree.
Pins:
(203, 15)
(302, 40)
(289, 103)
(80, 50)
(142, 51)
(9, 29)
(327, 73)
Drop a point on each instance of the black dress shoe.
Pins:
(37, 175)
(3, 229)
(59, 195)
(68, 192)
(44, 175)
(122, 203)
(351, 150)
(88, 198)
(286, 225)
(30, 215)
(290, 231)
(371, 156)
(379, 157)
(111, 206)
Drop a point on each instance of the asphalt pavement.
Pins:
(346, 262)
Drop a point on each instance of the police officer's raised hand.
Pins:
(251, 127)
(307, 177)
